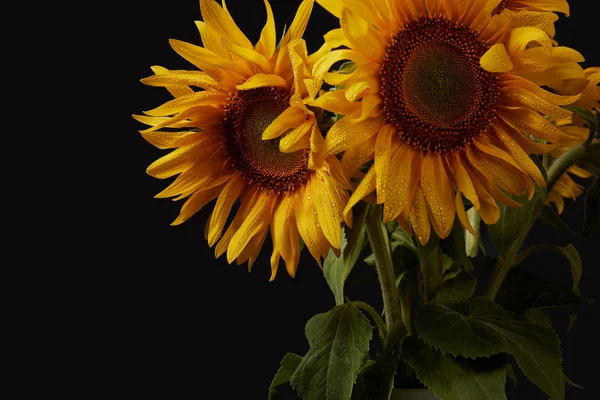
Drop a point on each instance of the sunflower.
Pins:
(450, 100)
(247, 139)
(532, 5)
(566, 186)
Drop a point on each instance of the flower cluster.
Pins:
(442, 101)
(414, 122)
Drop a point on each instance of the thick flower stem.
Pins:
(500, 271)
(563, 163)
(392, 310)
(378, 239)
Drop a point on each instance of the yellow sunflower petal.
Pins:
(291, 118)
(250, 55)
(364, 188)
(230, 194)
(221, 21)
(345, 133)
(260, 80)
(257, 221)
(183, 78)
(521, 37)
(202, 98)
(438, 192)
(252, 249)
(336, 38)
(419, 217)
(268, 40)
(462, 179)
(248, 200)
(526, 120)
(311, 233)
(284, 232)
(402, 178)
(297, 139)
(462, 214)
(496, 59)
(362, 36)
(333, 6)
(275, 256)
(335, 101)
(357, 156)
(175, 162)
(517, 152)
(195, 202)
(383, 155)
(327, 210)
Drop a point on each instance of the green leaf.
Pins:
(510, 374)
(401, 238)
(453, 378)
(538, 316)
(432, 266)
(550, 217)
(457, 288)
(339, 340)
(592, 208)
(523, 290)
(455, 247)
(514, 222)
(287, 367)
(571, 383)
(336, 269)
(489, 329)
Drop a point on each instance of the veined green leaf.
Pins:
(454, 378)
(339, 340)
(489, 329)
(288, 366)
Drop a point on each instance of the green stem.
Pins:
(378, 239)
(383, 332)
(563, 163)
(500, 270)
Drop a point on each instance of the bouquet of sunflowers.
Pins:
(417, 127)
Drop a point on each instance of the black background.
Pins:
(186, 325)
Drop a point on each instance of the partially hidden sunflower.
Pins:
(566, 187)
(451, 101)
(240, 132)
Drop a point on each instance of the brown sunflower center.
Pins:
(501, 6)
(247, 115)
(434, 89)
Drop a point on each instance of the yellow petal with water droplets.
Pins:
(258, 60)
(230, 194)
(172, 139)
(308, 226)
(383, 155)
(522, 158)
(519, 97)
(488, 208)
(175, 162)
(335, 101)
(403, 176)
(183, 78)
(357, 156)
(298, 25)
(345, 133)
(439, 193)
(364, 188)
(195, 202)
(361, 35)
(284, 232)
(326, 211)
(419, 217)
(496, 59)
(525, 120)
(521, 37)
(221, 21)
(462, 214)
(252, 249)
(248, 199)
(462, 179)
(297, 139)
(182, 103)
(291, 118)
(255, 223)
(221, 69)
(261, 80)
